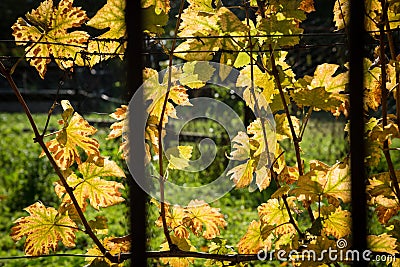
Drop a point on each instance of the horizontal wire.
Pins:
(51, 255)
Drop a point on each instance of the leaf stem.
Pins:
(160, 130)
(384, 98)
(296, 140)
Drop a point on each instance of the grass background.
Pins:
(25, 179)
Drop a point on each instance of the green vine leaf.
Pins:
(44, 228)
(47, 32)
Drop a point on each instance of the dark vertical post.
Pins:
(136, 136)
(356, 72)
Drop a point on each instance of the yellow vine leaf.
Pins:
(200, 215)
(48, 31)
(179, 157)
(112, 17)
(44, 228)
(337, 182)
(183, 244)
(113, 245)
(256, 131)
(382, 243)
(325, 76)
(372, 93)
(242, 175)
(252, 242)
(202, 20)
(74, 133)
(99, 224)
(338, 223)
(159, 5)
(274, 213)
(99, 192)
(174, 217)
(117, 127)
(341, 13)
(282, 126)
(317, 98)
(240, 147)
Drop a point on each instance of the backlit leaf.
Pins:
(252, 241)
(382, 243)
(242, 175)
(159, 5)
(113, 245)
(317, 98)
(240, 147)
(183, 244)
(337, 182)
(75, 133)
(274, 213)
(99, 192)
(174, 217)
(179, 157)
(338, 223)
(51, 26)
(44, 228)
(201, 215)
(112, 17)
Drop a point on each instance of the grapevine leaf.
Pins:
(252, 241)
(282, 31)
(317, 98)
(240, 147)
(183, 244)
(201, 20)
(179, 157)
(336, 183)
(44, 228)
(255, 129)
(382, 243)
(242, 175)
(174, 217)
(99, 225)
(112, 17)
(49, 30)
(324, 76)
(117, 127)
(307, 6)
(372, 90)
(341, 14)
(74, 134)
(311, 190)
(153, 22)
(196, 74)
(114, 246)
(274, 213)
(200, 214)
(99, 192)
(338, 223)
(282, 126)
(159, 5)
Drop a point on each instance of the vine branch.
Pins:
(39, 139)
